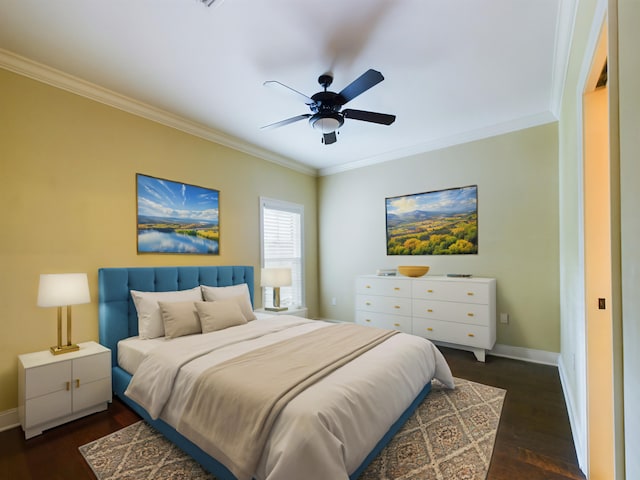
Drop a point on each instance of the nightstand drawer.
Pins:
(47, 379)
(43, 408)
(93, 367)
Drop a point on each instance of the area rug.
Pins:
(450, 436)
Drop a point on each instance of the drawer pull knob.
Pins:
(470, 294)
(396, 306)
(367, 286)
(396, 324)
(68, 386)
(429, 310)
(396, 288)
(469, 314)
(367, 303)
(429, 291)
(470, 335)
(367, 319)
(429, 329)
(77, 383)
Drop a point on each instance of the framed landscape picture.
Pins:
(443, 222)
(176, 217)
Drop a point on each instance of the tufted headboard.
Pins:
(117, 314)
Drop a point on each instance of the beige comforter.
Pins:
(234, 404)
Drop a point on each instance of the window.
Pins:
(281, 225)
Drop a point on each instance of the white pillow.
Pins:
(149, 317)
(240, 293)
(179, 319)
(219, 315)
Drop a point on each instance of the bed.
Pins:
(372, 406)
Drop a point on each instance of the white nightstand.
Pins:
(54, 389)
(298, 312)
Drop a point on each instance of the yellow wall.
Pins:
(68, 196)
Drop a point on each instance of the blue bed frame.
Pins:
(118, 320)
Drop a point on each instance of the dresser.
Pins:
(54, 389)
(457, 312)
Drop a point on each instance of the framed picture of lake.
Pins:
(176, 217)
(442, 222)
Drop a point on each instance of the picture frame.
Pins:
(440, 222)
(176, 218)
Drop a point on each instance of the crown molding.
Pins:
(56, 78)
(541, 118)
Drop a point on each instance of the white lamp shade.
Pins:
(275, 277)
(62, 289)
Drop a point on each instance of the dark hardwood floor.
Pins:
(533, 442)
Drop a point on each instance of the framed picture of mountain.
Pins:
(442, 222)
(176, 217)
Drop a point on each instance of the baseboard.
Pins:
(526, 354)
(9, 419)
(578, 434)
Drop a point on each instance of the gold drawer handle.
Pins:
(469, 314)
(429, 291)
(396, 288)
(396, 324)
(470, 335)
(367, 320)
(429, 329)
(68, 386)
(367, 286)
(77, 383)
(396, 306)
(367, 303)
(429, 310)
(470, 294)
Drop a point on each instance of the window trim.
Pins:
(296, 208)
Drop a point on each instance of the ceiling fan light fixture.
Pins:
(326, 123)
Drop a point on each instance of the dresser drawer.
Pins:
(383, 320)
(471, 313)
(390, 305)
(464, 291)
(386, 286)
(458, 333)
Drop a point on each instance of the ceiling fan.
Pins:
(326, 114)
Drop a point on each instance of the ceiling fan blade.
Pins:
(365, 116)
(282, 86)
(361, 84)
(329, 138)
(287, 121)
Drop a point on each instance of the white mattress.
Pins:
(132, 350)
(327, 430)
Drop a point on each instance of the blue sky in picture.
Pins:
(455, 200)
(176, 201)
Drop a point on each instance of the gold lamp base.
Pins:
(276, 309)
(57, 350)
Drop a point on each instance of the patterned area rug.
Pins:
(450, 436)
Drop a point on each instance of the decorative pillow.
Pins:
(240, 292)
(219, 314)
(149, 317)
(179, 319)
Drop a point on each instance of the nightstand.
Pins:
(298, 312)
(55, 389)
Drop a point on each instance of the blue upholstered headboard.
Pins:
(118, 318)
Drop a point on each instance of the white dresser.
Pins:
(54, 389)
(458, 312)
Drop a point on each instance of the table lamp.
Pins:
(63, 290)
(276, 278)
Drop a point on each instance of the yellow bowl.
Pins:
(413, 270)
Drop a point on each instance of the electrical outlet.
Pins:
(504, 318)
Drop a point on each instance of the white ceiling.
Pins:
(454, 70)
